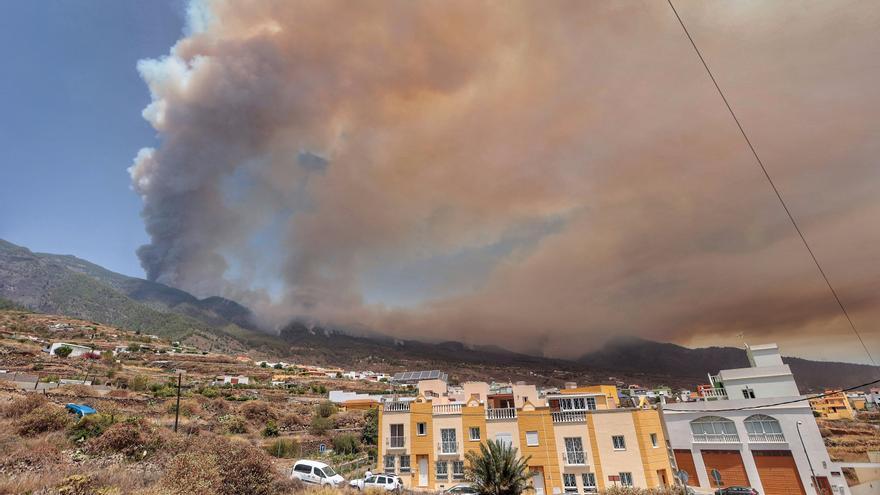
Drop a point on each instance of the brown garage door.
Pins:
(729, 463)
(685, 461)
(778, 472)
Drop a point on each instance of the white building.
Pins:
(232, 380)
(77, 350)
(748, 438)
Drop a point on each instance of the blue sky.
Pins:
(72, 100)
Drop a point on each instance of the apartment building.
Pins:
(834, 405)
(752, 428)
(577, 441)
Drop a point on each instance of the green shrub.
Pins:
(325, 409)
(139, 383)
(63, 351)
(209, 392)
(320, 425)
(163, 391)
(233, 423)
(90, 426)
(271, 429)
(346, 443)
(285, 448)
(41, 420)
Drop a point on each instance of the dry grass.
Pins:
(23, 405)
(48, 417)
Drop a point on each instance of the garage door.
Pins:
(729, 464)
(685, 461)
(778, 472)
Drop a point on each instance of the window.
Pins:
(320, 473)
(532, 438)
(504, 439)
(569, 481)
(574, 451)
(458, 470)
(302, 468)
(421, 429)
(618, 442)
(442, 470)
(748, 393)
(626, 479)
(389, 463)
(474, 433)
(396, 437)
(578, 404)
(714, 429)
(654, 440)
(381, 480)
(448, 443)
(763, 428)
(589, 481)
(404, 464)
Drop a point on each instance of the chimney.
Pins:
(570, 385)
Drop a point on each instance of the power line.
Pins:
(773, 185)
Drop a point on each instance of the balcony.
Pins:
(569, 416)
(396, 407)
(766, 438)
(716, 438)
(447, 409)
(713, 394)
(574, 458)
(395, 442)
(501, 413)
(447, 448)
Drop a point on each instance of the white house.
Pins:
(232, 380)
(760, 433)
(78, 350)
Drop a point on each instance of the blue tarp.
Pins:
(80, 409)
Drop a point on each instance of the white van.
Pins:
(315, 472)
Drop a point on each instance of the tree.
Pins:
(63, 351)
(497, 469)
(346, 443)
(370, 433)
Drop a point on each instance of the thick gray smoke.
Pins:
(534, 175)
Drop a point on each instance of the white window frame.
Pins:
(654, 442)
(458, 470)
(421, 429)
(505, 438)
(471, 431)
(389, 466)
(748, 393)
(532, 439)
(626, 479)
(589, 481)
(448, 441)
(442, 473)
(405, 467)
(618, 445)
(569, 483)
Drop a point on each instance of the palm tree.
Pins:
(497, 469)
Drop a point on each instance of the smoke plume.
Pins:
(536, 175)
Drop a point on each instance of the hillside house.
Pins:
(232, 380)
(77, 350)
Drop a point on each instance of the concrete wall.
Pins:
(618, 422)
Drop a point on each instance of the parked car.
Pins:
(387, 482)
(80, 410)
(315, 472)
(736, 490)
(462, 488)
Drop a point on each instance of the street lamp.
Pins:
(812, 473)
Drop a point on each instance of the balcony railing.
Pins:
(767, 437)
(574, 458)
(501, 413)
(396, 407)
(395, 442)
(716, 438)
(713, 394)
(447, 409)
(447, 447)
(569, 416)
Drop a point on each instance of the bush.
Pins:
(325, 409)
(289, 421)
(370, 432)
(257, 411)
(285, 448)
(187, 408)
(63, 351)
(41, 420)
(163, 391)
(132, 438)
(23, 405)
(191, 473)
(90, 426)
(346, 444)
(210, 392)
(233, 423)
(216, 406)
(271, 429)
(320, 425)
(139, 383)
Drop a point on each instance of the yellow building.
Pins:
(833, 406)
(577, 441)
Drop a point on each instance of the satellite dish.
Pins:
(683, 476)
(716, 475)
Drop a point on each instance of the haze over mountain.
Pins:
(67, 285)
